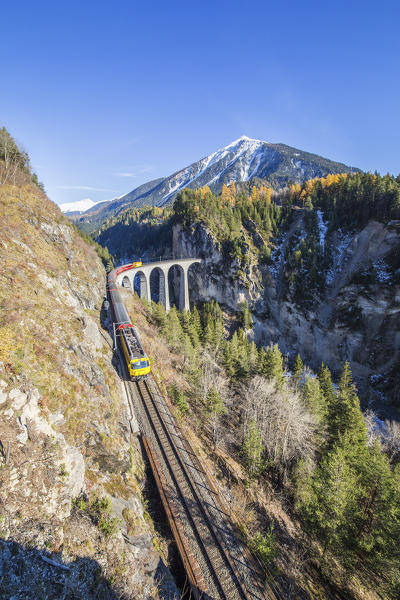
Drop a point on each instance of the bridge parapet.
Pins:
(163, 267)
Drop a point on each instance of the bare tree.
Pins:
(374, 432)
(212, 374)
(391, 441)
(286, 425)
(214, 394)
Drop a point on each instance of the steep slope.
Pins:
(70, 470)
(241, 160)
(323, 280)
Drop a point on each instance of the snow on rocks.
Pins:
(381, 271)
(322, 227)
(339, 255)
(276, 257)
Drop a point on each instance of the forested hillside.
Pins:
(314, 484)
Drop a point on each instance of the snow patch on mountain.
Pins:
(79, 206)
(322, 227)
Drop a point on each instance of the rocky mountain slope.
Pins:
(72, 519)
(355, 319)
(242, 160)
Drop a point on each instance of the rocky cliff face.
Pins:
(72, 521)
(356, 318)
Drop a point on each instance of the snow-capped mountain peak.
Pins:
(78, 206)
(243, 159)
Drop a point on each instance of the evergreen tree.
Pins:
(231, 356)
(180, 400)
(247, 320)
(214, 409)
(326, 385)
(272, 367)
(344, 414)
(196, 328)
(328, 502)
(377, 527)
(159, 314)
(297, 371)
(173, 329)
(253, 451)
(252, 357)
(314, 399)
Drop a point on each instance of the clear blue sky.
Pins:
(108, 95)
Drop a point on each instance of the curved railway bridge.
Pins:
(162, 268)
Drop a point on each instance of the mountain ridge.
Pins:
(239, 161)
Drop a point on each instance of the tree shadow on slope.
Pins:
(27, 573)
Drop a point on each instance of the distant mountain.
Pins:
(77, 207)
(242, 160)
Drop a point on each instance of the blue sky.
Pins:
(108, 95)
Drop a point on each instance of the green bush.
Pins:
(264, 546)
(99, 511)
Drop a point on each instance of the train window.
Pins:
(139, 364)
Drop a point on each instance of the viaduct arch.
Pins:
(127, 278)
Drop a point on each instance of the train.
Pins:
(137, 361)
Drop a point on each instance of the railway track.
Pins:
(222, 568)
(218, 565)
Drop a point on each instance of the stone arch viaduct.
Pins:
(127, 278)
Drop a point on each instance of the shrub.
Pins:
(99, 511)
(264, 545)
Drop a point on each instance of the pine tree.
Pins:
(377, 526)
(214, 409)
(196, 328)
(345, 416)
(173, 329)
(159, 315)
(232, 355)
(247, 320)
(180, 400)
(272, 367)
(314, 398)
(253, 451)
(325, 382)
(297, 371)
(328, 501)
(253, 357)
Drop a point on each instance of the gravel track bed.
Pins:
(251, 581)
(198, 552)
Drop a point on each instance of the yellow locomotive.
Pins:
(136, 359)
